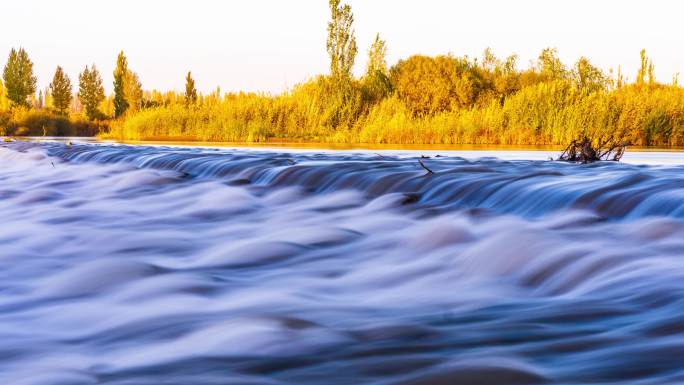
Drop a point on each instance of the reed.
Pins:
(551, 112)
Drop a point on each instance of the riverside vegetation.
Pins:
(419, 100)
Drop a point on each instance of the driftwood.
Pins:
(583, 151)
(429, 172)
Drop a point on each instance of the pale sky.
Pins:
(270, 45)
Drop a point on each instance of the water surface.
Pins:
(188, 265)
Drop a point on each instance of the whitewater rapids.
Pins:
(144, 265)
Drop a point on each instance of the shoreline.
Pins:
(336, 146)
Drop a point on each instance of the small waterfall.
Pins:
(150, 265)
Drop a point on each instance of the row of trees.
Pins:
(20, 83)
(58, 111)
(19, 86)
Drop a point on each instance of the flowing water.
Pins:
(145, 265)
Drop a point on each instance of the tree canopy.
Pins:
(190, 91)
(120, 74)
(61, 91)
(91, 91)
(341, 42)
(20, 82)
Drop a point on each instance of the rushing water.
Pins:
(159, 265)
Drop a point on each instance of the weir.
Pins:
(154, 265)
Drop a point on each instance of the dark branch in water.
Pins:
(583, 151)
(410, 198)
(429, 172)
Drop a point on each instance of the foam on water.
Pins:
(159, 265)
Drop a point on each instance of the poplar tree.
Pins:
(376, 83)
(18, 76)
(133, 92)
(190, 91)
(60, 88)
(588, 77)
(3, 99)
(651, 73)
(341, 42)
(643, 69)
(90, 91)
(550, 66)
(620, 78)
(120, 73)
(377, 53)
(47, 97)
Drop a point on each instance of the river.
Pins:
(145, 265)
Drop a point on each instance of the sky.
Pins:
(271, 45)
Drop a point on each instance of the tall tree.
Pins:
(19, 79)
(651, 73)
(133, 91)
(41, 100)
(550, 66)
(190, 91)
(376, 83)
(3, 98)
(47, 102)
(60, 89)
(90, 91)
(588, 77)
(620, 81)
(643, 69)
(377, 61)
(120, 74)
(341, 43)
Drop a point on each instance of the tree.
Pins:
(61, 91)
(651, 73)
(19, 79)
(500, 78)
(550, 66)
(341, 43)
(377, 53)
(190, 91)
(3, 98)
(91, 91)
(620, 81)
(47, 98)
(133, 91)
(41, 100)
(645, 70)
(376, 83)
(588, 77)
(120, 73)
(428, 85)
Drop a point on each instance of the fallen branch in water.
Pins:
(429, 172)
(583, 151)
